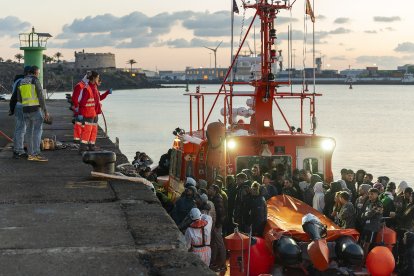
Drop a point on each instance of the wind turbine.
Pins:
(215, 53)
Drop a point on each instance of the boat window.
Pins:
(311, 164)
(266, 163)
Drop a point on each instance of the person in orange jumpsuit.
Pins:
(78, 125)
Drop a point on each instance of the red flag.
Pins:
(235, 8)
(309, 11)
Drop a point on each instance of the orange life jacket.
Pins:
(87, 103)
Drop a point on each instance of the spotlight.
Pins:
(328, 144)
(231, 144)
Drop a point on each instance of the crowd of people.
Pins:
(354, 201)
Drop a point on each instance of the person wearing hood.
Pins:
(184, 204)
(329, 199)
(319, 197)
(399, 200)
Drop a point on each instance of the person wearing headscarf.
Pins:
(309, 192)
(401, 188)
(319, 197)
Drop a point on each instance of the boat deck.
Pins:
(57, 220)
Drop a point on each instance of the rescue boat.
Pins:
(259, 132)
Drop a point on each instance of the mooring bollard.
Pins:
(101, 161)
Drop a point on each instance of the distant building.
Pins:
(353, 72)
(172, 75)
(150, 74)
(205, 73)
(94, 60)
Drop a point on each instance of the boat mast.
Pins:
(261, 122)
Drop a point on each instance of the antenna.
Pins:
(215, 53)
(250, 49)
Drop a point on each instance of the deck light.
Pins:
(266, 123)
(328, 144)
(231, 144)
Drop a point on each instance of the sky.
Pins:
(171, 35)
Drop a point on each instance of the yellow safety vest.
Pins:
(29, 95)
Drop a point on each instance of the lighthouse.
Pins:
(33, 44)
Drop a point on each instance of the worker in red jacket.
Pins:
(77, 128)
(87, 111)
(98, 109)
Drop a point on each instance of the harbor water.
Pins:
(370, 123)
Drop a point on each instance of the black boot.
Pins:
(91, 147)
(82, 148)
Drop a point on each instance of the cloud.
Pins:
(390, 29)
(341, 20)
(386, 19)
(137, 30)
(321, 17)
(405, 47)
(340, 31)
(195, 42)
(370, 31)
(12, 26)
(350, 49)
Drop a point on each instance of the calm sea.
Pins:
(372, 125)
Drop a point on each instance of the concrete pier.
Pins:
(57, 220)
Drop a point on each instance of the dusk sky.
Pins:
(165, 34)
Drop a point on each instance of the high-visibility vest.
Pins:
(87, 103)
(28, 93)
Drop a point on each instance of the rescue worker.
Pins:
(30, 94)
(77, 128)
(87, 112)
(198, 235)
(98, 107)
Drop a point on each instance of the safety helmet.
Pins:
(195, 214)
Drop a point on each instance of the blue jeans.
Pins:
(34, 126)
(19, 129)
